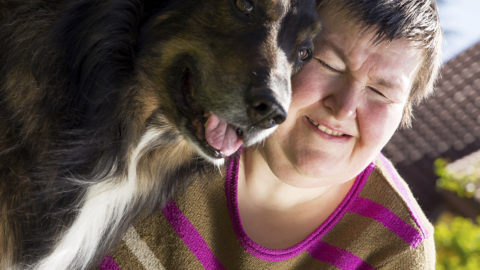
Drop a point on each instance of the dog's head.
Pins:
(225, 66)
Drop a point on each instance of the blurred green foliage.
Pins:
(457, 238)
(458, 243)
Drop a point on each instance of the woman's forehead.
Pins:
(392, 64)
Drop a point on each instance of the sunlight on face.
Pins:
(347, 102)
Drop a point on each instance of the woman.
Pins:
(317, 194)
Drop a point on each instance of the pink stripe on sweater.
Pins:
(340, 258)
(405, 194)
(109, 264)
(191, 237)
(385, 216)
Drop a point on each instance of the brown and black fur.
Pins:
(102, 104)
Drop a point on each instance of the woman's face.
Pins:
(347, 102)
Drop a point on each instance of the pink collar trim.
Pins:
(283, 254)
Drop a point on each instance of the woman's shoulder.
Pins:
(385, 225)
(177, 236)
(387, 188)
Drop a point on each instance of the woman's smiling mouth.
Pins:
(326, 129)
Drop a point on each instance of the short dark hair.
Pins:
(414, 20)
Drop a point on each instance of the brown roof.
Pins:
(447, 125)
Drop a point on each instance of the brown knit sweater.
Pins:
(379, 225)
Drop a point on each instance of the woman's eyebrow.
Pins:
(397, 81)
(328, 43)
(395, 85)
(386, 83)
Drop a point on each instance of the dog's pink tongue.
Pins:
(221, 136)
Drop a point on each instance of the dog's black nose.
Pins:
(264, 110)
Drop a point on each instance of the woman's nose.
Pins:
(343, 101)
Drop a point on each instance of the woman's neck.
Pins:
(278, 215)
(275, 192)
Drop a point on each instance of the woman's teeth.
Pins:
(326, 129)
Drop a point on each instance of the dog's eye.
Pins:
(245, 6)
(304, 54)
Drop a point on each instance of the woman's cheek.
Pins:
(379, 121)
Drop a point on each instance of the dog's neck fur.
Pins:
(111, 203)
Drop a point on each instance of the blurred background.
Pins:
(440, 155)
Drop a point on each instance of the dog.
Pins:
(110, 107)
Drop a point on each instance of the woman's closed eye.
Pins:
(327, 66)
(330, 68)
(376, 91)
(381, 95)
